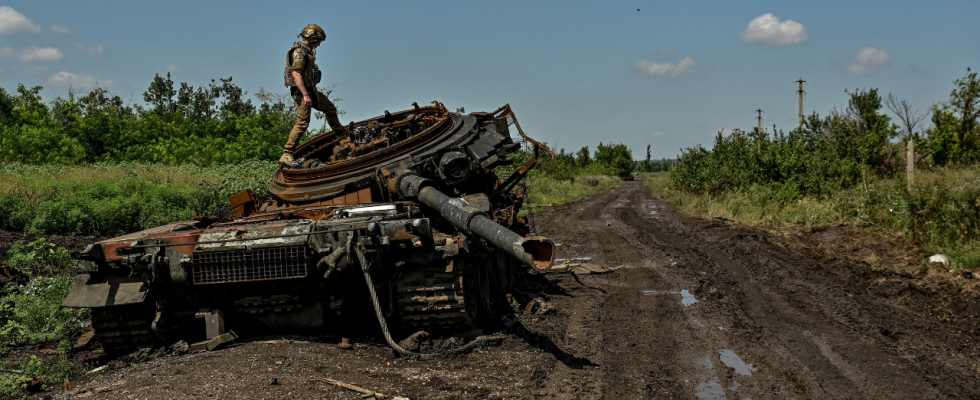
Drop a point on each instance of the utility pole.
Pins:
(800, 92)
(759, 117)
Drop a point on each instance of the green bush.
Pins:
(209, 125)
(829, 154)
(32, 313)
(53, 370)
(37, 256)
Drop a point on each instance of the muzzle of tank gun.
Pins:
(537, 252)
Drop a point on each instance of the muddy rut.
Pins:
(701, 309)
(705, 309)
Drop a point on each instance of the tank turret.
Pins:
(407, 217)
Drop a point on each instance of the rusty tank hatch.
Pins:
(406, 220)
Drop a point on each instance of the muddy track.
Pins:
(809, 328)
(701, 309)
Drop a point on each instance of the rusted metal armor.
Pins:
(406, 220)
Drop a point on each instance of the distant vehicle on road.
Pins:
(628, 177)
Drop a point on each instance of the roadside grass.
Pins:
(942, 213)
(104, 199)
(545, 190)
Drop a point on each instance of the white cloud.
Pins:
(65, 78)
(93, 51)
(43, 54)
(175, 68)
(663, 69)
(868, 60)
(769, 30)
(60, 30)
(657, 134)
(14, 23)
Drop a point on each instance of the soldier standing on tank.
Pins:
(302, 75)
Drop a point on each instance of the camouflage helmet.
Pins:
(314, 31)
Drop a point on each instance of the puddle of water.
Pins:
(687, 298)
(673, 263)
(711, 390)
(653, 212)
(735, 385)
(698, 323)
(721, 328)
(735, 362)
(557, 244)
(627, 266)
(649, 292)
(710, 387)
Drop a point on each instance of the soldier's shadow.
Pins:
(546, 344)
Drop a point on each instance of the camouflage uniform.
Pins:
(302, 58)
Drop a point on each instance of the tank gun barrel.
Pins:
(537, 252)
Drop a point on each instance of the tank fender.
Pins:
(88, 292)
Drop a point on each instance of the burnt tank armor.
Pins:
(407, 219)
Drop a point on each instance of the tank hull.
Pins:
(301, 261)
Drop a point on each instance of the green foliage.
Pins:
(608, 160)
(955, 136)
(52, 370)
(32, 313)
(829, 154)
(546, 190)
(942, 212)
(38, 200)
(38, 255)
(616, 158)
(179, 124)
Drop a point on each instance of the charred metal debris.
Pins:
(407, 220)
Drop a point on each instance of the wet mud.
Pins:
(702, 309)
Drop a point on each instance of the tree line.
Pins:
(839, 150)
(209, 124)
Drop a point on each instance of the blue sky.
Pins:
(669, 75)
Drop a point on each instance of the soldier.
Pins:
(302, 75)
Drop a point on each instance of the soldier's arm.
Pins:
(297, 64)
(298, 78)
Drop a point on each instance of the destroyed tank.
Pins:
(406, 221)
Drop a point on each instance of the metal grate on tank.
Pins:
(249, 265)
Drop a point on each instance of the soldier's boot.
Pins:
(287, 158)
(340, 131)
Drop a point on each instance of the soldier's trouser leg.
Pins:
(302, 124)
(303, 115)
(324, 105)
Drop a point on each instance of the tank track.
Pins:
(429, 298)
(121, 329)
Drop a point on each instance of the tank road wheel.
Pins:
(431, 299)
(121, 329)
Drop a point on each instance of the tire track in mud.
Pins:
(768, 323)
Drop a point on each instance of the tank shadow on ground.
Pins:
(546, 344)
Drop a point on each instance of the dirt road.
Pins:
(702, 309)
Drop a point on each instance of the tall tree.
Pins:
(964, 99)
